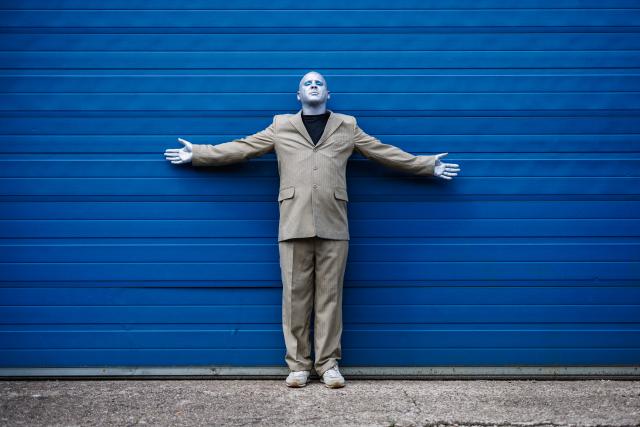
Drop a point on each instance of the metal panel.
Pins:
(115, 262)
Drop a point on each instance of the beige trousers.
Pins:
(312, 275)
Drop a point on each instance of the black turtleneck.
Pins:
(315, 124)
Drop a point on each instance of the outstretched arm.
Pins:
(393, 157)
(235, 151)
(225, 153)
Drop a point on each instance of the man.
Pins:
(312, 148)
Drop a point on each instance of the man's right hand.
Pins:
(180, 155)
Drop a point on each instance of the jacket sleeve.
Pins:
(235, 151)
(391, 156)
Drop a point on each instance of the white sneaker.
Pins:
(332, 378)
(298, 378)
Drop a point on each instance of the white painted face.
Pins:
(313, 89)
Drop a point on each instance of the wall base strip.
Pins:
(360, 372)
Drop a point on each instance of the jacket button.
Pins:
(315, 168)
(315, 186)
(315, 149)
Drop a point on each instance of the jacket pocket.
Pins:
(341, 194)
(286, 193)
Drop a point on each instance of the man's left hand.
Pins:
(445, 170)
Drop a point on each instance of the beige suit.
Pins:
(313, 231)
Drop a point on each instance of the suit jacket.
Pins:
(313, 187)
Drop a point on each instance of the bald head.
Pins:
(313, 89)
(312, 75)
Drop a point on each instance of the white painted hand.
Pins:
(445, 170)
(179, 155)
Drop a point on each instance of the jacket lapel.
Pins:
(332, 125)
(296, 120)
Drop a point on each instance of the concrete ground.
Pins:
(359, 403)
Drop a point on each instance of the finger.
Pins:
(176, 162)
(183, 141)
(172, 159)
(444, 177)
(171, 156)
(452, 165)
(453, 169)
(172, 150)
(439, 156)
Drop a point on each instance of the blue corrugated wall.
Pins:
(112, 256)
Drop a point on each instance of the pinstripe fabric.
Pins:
(313, 187)
(312, 275)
